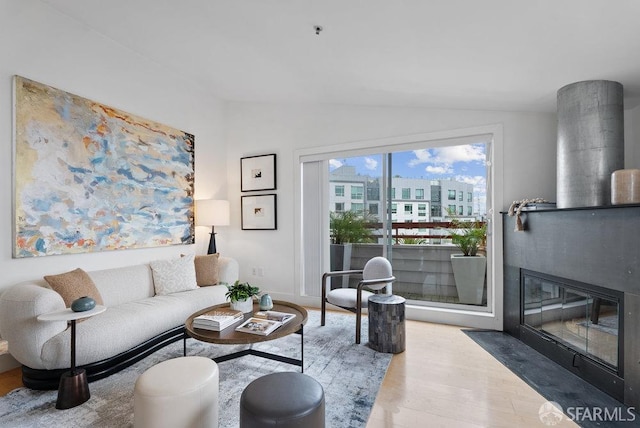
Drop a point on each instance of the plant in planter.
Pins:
(468, 236)
(469, 268)
(347, 228)
(241, 296)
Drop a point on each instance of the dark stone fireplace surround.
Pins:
(598, 246)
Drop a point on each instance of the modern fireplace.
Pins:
(572, 292)
(577, 325)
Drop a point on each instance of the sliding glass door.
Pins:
(411, 202)
(407, 205)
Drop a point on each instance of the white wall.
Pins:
(529, 159)
(39, 43)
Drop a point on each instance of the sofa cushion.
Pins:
(124, 284)
(207, 270)
(175, 275)
(72, 285)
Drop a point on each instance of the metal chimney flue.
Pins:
(590, 142)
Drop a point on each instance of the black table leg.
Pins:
(74, 387)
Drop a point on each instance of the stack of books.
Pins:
(217, 320)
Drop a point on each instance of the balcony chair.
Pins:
(376, 275)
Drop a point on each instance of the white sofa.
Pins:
(136, 322)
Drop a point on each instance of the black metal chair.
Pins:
(376, 275)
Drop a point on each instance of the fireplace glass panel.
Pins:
(576, 318)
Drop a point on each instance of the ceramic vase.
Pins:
(245, 305)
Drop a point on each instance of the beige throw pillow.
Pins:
(73, 285)
(207, 270)
(173, 276)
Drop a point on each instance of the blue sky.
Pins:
(465, 163)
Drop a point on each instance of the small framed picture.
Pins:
(259, 212)
(258, 173)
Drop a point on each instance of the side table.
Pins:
(386, 323)
(74, 388)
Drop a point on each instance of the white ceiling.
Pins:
(463, 54)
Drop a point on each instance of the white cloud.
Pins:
(479, 182)
(449, 155)
(422, 156)
(334, 163)
(370, 163)
(453, 154)
(444, 169)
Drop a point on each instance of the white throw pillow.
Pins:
(175, 275)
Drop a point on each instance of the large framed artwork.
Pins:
(88, 177)
(258, 173)
(259, 212)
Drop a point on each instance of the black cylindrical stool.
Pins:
(386, 323)
(285, 400)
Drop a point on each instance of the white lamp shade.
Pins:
(212, 212)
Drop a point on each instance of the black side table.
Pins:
(386, 323)
(74, 387)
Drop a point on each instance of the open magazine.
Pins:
(283, 317)
(261, 326)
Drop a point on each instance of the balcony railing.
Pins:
(423, 270)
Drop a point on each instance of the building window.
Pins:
(469, 197)
(419, 193)
(422, 210)
(373, 193)
(373, 209)
(393, 193)
(469, 210)
(461, 196)
(460, 210)
(339, 191)
(394, 208)
(406, 193)
(435, 194)
(452, 195)
(339, 207)
(357, 192)
(452, 209)
(357, 208)
(408, 208)
(435, 211)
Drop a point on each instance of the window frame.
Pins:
(465, 317)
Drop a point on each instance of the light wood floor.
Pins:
(443, 379)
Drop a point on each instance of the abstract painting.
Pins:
(88, 177)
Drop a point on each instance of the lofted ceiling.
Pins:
(463, 54)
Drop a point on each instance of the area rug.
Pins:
(350, 375)
(548, 378)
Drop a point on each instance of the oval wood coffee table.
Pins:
(229, 336)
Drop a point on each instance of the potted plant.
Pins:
(346, 228)
(241, 296)
(469, 268)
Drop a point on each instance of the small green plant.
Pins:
(241, 291)
(349, 226)
(468, 236)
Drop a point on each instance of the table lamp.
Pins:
(212, 212)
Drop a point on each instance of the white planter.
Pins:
(245, 306)
(469, 272)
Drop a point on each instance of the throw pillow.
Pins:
(73, 285)
(173, 276)
(207, 271)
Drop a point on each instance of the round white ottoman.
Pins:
(177, 393)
